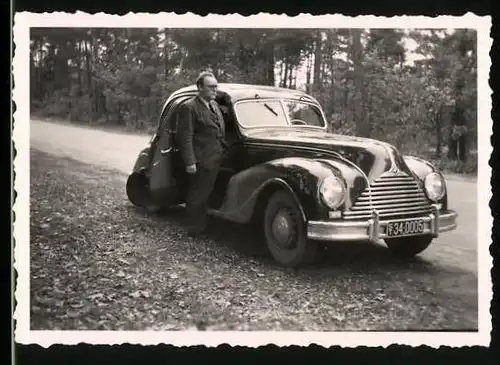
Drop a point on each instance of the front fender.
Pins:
(301, 176)
(421, 168)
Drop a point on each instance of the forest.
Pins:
(370, 84)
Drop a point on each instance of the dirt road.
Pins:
(446, 272)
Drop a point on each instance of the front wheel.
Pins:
(285, 231)
(408, 246)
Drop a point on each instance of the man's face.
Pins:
(209, 89)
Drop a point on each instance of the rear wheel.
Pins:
(408, 246)
(285, 231)
(138, 190)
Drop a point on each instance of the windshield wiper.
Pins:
(270, 109)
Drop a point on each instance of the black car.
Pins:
(285, 172)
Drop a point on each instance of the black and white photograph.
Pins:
(252, 180)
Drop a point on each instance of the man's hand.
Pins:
(191, 169)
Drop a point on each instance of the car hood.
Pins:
(371, 156)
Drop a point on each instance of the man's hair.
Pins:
(201, 78)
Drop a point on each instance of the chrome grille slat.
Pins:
(366, 203)
(391, 193)
(362, 199)
(393, 187)
(384, 214)
(398, 195)
(387, 206)
(394, 178)
(391, 183)
(387, 210)
(400, 175)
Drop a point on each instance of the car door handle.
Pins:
(168, 150)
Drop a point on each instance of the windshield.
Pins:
(276, 113)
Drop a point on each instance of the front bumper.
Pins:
(374, 229)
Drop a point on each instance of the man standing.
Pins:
(200, 137)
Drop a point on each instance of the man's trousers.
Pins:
(200, 187)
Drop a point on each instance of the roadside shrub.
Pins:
(457, 166)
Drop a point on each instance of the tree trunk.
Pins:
(166, 54)
(317, 62)
(308, 73)
(452, 148)
(90, 88)
(285, 78)
(439, 136)
(458, 119)
(216, 67)
(332, 103)
(282, 73)
(323, 73)
(80, 63)
(42, 68)
(33, 79)
(462, 148)
(346, 93)
(63, 74)
(270, 65)
(290, 79)
(362, 127)
(458, 143)
(97, 92)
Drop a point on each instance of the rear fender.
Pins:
(143, 160)
(137, 186)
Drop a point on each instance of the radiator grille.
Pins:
(392, 196)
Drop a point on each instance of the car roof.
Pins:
(248, 91)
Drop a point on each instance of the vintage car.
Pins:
(302, 184)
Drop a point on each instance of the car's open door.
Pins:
(163, 177)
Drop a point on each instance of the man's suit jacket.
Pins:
(200, 133)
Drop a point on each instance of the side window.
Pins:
(169, 119)
(175, 119)
(165, 113)
(304, 112)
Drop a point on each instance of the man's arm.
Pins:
(185, 130)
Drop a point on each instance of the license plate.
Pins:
(405, 228)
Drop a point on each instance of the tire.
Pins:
(408, 246)
(137, 190)
(288, 245)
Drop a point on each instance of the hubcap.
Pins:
(282, 229)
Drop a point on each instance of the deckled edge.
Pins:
(259, 20)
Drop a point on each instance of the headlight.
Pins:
(332, 192)
(434, 186)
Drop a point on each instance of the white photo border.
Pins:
(23, 21)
